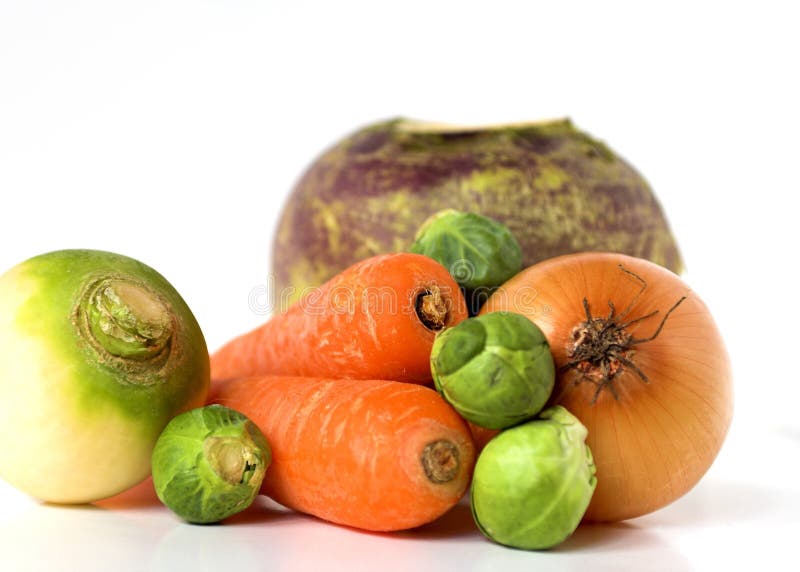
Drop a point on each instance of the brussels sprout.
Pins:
(495, 369)
(480, 253)
(532, 483)
(208, 463)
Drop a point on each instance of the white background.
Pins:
(173, 131)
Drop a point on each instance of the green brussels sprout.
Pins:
(480, 253)
(496, 370)
(532, 483)
(208, 463)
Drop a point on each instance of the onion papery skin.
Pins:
(654, 441)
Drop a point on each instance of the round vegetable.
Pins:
(557, 189)
(209, 463)
(533, 482)
(640, 362)
(480, 253)
(97, 353)
(496, 370)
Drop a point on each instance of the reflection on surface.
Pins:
(133, 531)
(266, 535)
(717, 502)
(82, 537)
(142, 495)
(457, 523)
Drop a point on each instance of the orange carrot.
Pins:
(375, 320)
(481, 435)
(372, 454)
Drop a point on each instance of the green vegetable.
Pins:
(97, 353)
(480, 253)
(496, 370)
(209, 463)
(532, 483)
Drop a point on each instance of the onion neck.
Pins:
(126, 320)
(601, 348)
(597, 350)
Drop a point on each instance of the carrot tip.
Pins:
(440, 461)
(431, 308)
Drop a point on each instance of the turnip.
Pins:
(97, 353)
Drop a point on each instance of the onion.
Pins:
(640, 363)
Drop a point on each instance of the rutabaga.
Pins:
(97, 353)
(557, 189)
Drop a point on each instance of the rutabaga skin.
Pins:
(97, 353)
(480, 253)
(556, 188)
(209, 463)
(496, 370)
(533, 482)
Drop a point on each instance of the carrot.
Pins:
(481, 435)
(373, 454)
(375, 320)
